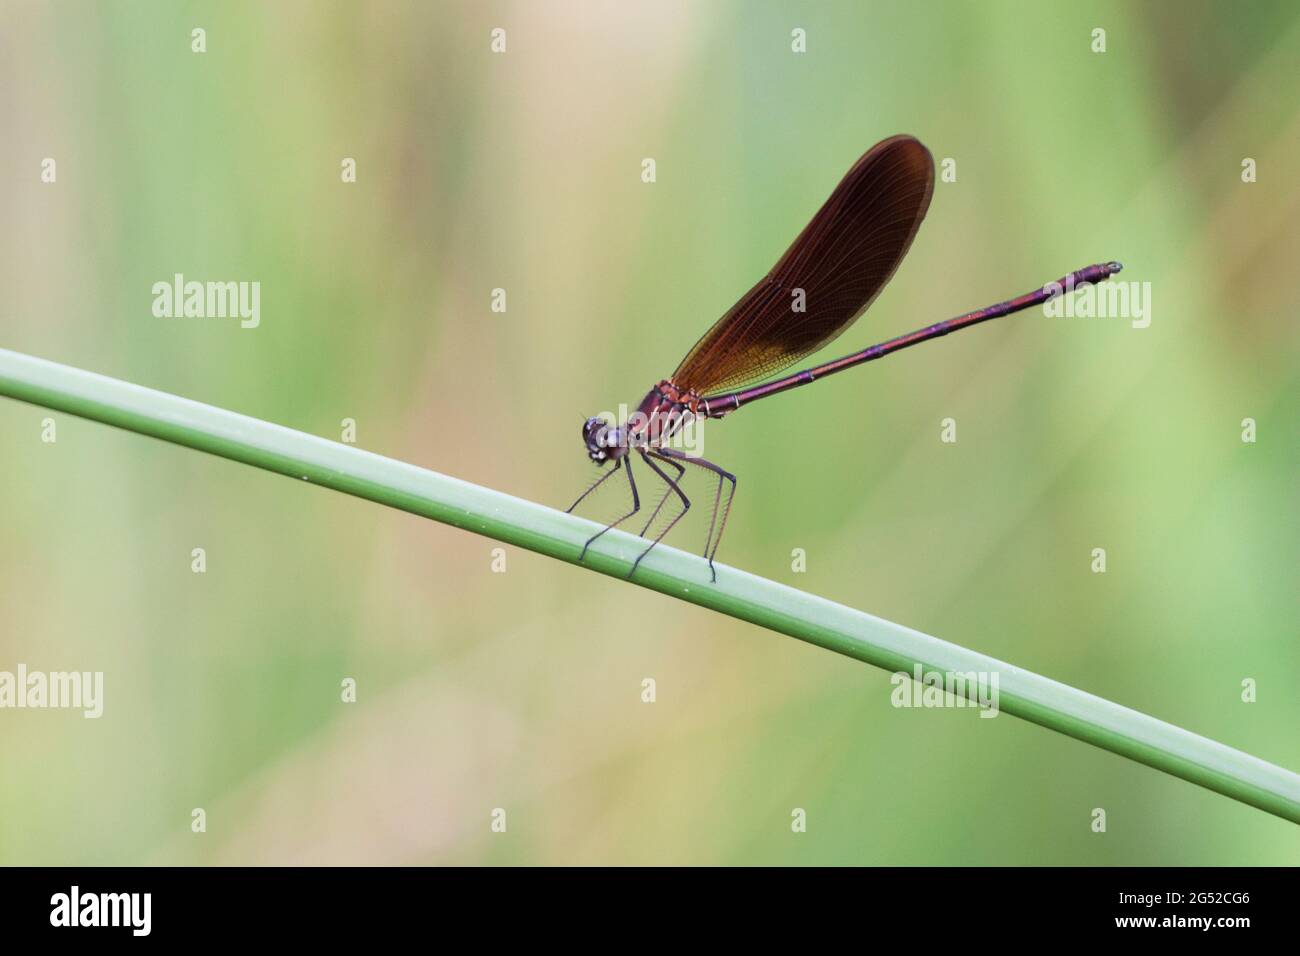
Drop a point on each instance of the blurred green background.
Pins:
(521, 171)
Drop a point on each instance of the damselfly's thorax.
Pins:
(664, 410)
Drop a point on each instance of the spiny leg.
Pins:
(713, 520)
(672, 486)
(726, 512)
(723, 475)
(594, 485)
(636, 506)
(667, 491)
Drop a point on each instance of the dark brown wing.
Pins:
(841, 261)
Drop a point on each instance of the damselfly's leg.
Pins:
(636, 506)
(646, 456)
(726, 512)
(594, 485)
(667, 491)
(723, 476)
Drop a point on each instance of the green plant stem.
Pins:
(672, 572)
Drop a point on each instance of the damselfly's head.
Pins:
(604, 442)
